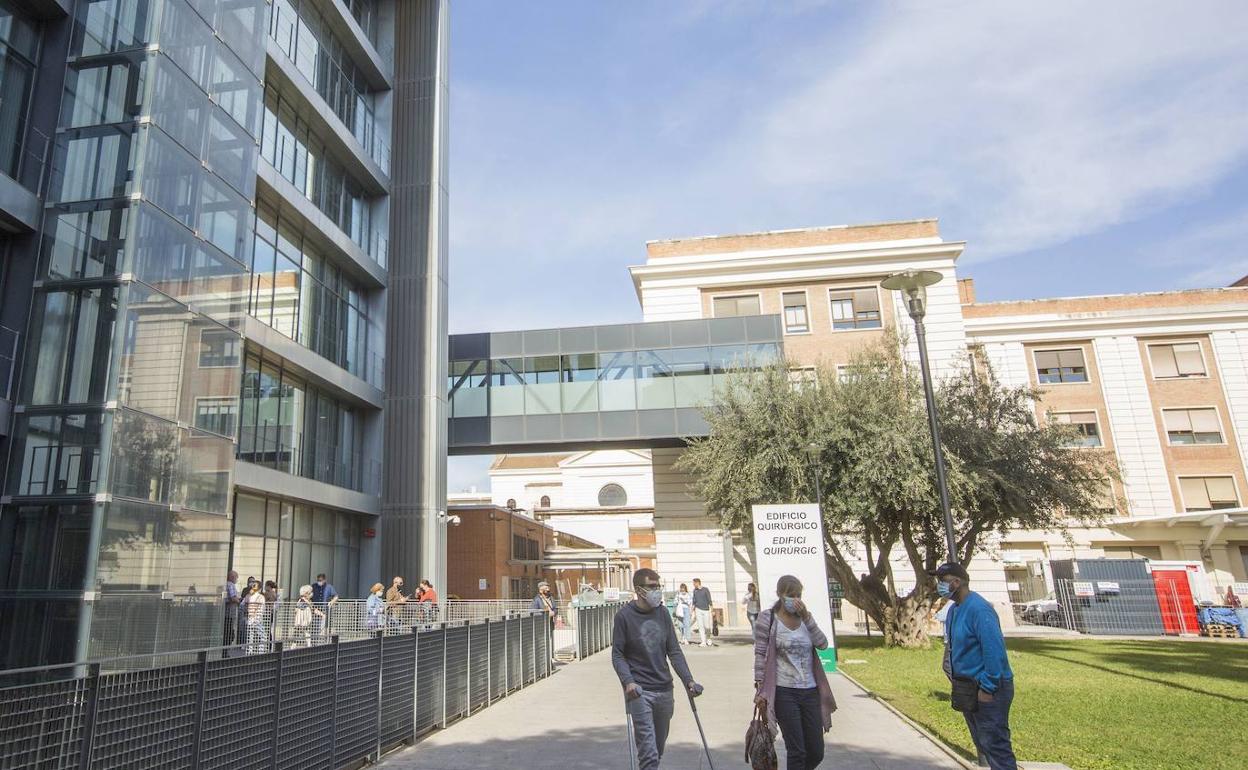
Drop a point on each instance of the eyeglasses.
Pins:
(649, 586)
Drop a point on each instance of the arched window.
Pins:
(511, 503)
(612, 495)
(545, 503)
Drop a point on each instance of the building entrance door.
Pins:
(1174, 599)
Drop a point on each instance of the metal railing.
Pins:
(593, 627)
(332, 705)
(1125, 606)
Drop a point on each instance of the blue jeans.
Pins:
(801, 724)
(652, 716)
(990, 729)
(684, 624)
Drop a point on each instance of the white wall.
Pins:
(1135, 431)
(1231, 351)
(946, 333)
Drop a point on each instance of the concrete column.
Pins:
(414, 488)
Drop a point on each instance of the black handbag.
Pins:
(964, 696)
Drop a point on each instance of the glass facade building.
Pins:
(191, 357)
(631, 384)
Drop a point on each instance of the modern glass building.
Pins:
(193, 344)
(592, 387)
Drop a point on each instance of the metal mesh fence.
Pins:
(398, 688)
(515, 666)
(456, 676)
(145, 718)
(355, 708)
(478, 665)
(42, 725)
(295, 704)
(305, 720)
(498, 659)
(430, 684)
(593, 627)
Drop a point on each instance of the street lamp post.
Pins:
(812, 453)
(913, 284)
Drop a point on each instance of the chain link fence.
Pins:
(300, 702)
(1129, 607)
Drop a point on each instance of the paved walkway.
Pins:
(575, 719)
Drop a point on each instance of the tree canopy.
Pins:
(868, 422)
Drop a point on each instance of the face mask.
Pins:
(654, 598)
(320, 582)
(944, 589)
(790, 604)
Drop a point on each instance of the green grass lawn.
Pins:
(1089, 703)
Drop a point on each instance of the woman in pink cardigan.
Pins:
(789, 680)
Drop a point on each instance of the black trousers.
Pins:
(801, 724)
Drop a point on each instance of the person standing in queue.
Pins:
(643, 641)
(975, 657)
(789, 680)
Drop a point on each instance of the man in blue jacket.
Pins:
(976, 649)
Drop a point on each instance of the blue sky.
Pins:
(1077, 147)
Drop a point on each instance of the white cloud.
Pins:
(1025, 125)
(1038, 121)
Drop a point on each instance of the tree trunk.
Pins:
(906, 624)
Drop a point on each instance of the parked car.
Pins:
(1043, 612)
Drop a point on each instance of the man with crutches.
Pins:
(642, 642)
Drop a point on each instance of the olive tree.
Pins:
(1006, 469)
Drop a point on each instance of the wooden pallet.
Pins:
(1220, 631)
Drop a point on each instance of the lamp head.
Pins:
(913, 283)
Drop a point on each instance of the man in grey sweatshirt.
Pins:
(642, 642)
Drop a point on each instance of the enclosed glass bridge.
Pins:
(591, 387)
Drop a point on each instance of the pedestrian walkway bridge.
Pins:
(593, 387)
(575, 719)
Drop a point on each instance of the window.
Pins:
(1133, 552)
(1084, 423)
(729, 307)
(1208, 493)
(545, 502)
(612, 495)
(218, 415)
(796, 319)
(855, 308)
(218, 348)
(1061, 366)
(1179, 359)
(1192, 426)
(803, 377)
(525, 549)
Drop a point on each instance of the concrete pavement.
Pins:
(575, 719)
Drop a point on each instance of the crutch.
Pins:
(632, 740)
(692, 694)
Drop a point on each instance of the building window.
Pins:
(1208, 493)
(1152, 552)
(796, 319)
(525, 548)
(1060, 366)
(1179, 359)
(803, 377)
(612, 496)
(730, 307)
(1192, 426)
(289, 543)
(218, 415)
(855, 308)
(218, 348)
(544, 502)
(511, 503)
(1088, 432)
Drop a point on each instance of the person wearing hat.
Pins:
(975, 655)
(545, 602)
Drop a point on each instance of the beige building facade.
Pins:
(1161, 380)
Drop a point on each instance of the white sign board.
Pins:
(1083, 588)
(788, 540)
(482, 584)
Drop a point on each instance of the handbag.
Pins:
(760, 743)
(964, 695)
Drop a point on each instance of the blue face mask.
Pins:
(654, 598)
(789, 604)
(944, 589)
